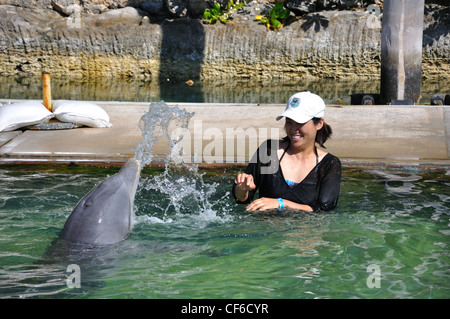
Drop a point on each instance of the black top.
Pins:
(319, 189)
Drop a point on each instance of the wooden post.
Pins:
(46, 87)
(401, 50)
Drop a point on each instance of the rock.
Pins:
(101, 6)
(145, 20)
(120, 43)
(61, 8)
(302, 7)
(197, 7)
(249, 11)
(124, 13)
(95, 8)
(153, 7)
(178, 8)
(127, 14)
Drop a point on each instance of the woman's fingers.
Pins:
(263, 204)
(245, 181)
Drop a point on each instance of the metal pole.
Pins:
(401, 50)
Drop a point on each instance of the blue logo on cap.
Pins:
(295, 102)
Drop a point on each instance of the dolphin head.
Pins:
(131, 172)
(105, 215)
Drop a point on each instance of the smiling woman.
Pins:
(293, 173)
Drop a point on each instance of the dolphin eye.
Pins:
(87, 203)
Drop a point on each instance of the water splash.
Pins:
(155, 124)
(181, 191)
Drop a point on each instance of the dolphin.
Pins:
(105, 215)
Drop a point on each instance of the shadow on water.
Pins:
(182, 51)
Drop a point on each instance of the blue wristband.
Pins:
(280, 204)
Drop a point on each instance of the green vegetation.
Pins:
(216, 13)
(275, 17)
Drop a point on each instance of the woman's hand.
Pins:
(263, 203)
(244, 184)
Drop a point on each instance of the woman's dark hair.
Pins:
(324, 133)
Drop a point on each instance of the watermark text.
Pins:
(74, 279)
(374, 279)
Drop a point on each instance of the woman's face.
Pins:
(302, 134)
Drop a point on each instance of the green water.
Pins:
(397, 221)
(271, 91)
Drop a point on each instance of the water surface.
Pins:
(206, 246)
(274, 91)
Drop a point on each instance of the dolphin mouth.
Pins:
(132, 169)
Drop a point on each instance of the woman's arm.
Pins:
(265, 203)
(295, 206)
(329, 187)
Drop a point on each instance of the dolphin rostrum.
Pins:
(105, 215)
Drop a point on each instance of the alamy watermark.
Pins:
(74, 279)
(228, 145)
(374, 279)
(74, 19)
(374, 19)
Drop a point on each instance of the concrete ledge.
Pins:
(6, 137)
(228, 134)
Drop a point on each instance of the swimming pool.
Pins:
(388, 238)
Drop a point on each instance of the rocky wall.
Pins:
(130, 42)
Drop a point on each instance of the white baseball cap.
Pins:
(302, 107)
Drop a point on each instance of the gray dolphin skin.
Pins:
(105, 215)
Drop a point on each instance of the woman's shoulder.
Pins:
(329, 158)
